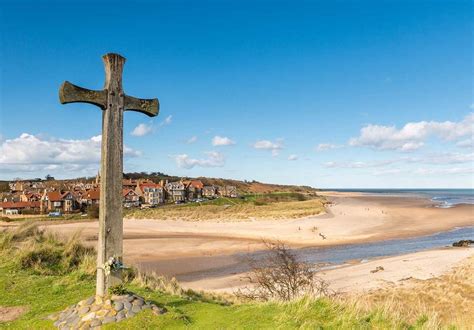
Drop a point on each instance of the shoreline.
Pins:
(207, 252)
(358, 277)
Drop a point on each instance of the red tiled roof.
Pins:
(125, 192)
(29, 195)
(194, 183)
(93, 194)
(149, 185)
(19, 205)
(54, 196)
(197, 184)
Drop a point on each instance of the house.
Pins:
(150, 193)
(130, 198)
(176, 191)
(229, 191)
(209, 191)
(129, 184)
(193, 189)
(18, 186)
(11, 197)
(91, 197)
(30, 197)
(58, 201)
(11, 208)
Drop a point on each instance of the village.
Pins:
(55, 198)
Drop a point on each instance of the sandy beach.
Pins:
(210, 255)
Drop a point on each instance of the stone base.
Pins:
(95, 311)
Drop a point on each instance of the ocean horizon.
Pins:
(444, 198)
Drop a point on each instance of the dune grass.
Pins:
(249, 207)
(448, 299)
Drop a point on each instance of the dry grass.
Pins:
(233, 212)
(46, 253)
(447, 300)
(155, 282)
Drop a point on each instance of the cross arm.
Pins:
(149, 107)
(70, 93)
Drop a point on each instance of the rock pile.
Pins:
(464, 243)
(91, 313)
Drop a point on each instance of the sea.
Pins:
(443, 198)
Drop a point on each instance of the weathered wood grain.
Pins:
(114, 102)
(149, 107)
(70, 93)
(110, 207)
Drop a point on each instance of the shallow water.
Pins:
(365, 251)
(444, 198)
(207, 267)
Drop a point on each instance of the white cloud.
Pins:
(167, 121)
(221, 141)
(412, 136)
(214, 159)
(292, 157)
(33, 153)
(192, 139)
(273, 146)
(142, 130)
(443, 158)
(468, 143)
(438, 171)
(327, 146)
(446, 158)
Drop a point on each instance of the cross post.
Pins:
(113, 101)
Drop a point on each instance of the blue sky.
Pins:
(324, 93)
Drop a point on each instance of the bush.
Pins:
(93, 211)
(280, 276)
(118, 290)
(44, 260)
(5, 219)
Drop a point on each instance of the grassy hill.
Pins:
(243, 187)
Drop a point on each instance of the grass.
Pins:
(45, 287)
(37, 217)
(449, 298)
(44, 295)
(249, 207)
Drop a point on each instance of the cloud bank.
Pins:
(34, 153)
(412, 136)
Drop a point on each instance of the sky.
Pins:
(332, 94)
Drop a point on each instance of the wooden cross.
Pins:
(113, 101)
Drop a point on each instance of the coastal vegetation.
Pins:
(42, 274)
(276, 205)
